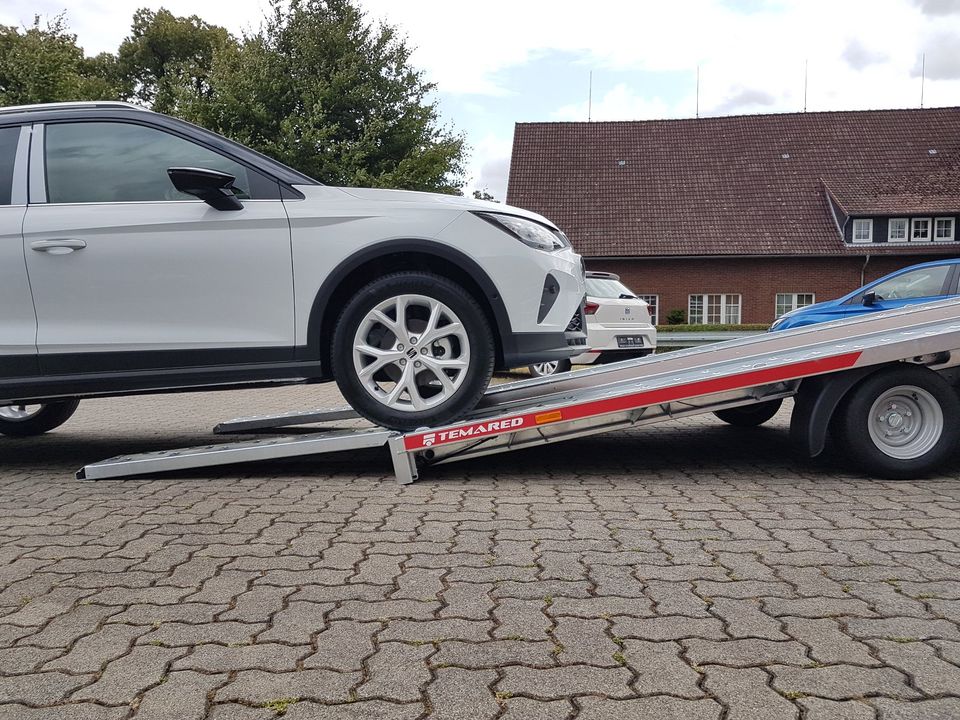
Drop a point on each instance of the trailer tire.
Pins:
(30, 422)
(750, 415)
(900, 423)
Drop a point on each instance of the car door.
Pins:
(926, 283)
(18, 323)
(128, 273)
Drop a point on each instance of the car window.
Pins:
(93, 162)
(606, 288)
(923, 282)
(9, 138)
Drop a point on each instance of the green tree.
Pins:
(166, 60)
(325, 91)
(484, 195)
(43, 63)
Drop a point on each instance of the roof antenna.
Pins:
(806, 69)
(590, 99)
(698, 91)
(923, 76)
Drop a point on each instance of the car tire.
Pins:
(546, 369)
(35, 419)
(750, 415)
(397, 383)
(900, 423)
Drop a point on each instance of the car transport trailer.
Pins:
(883, 385)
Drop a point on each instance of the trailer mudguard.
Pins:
(814, 405)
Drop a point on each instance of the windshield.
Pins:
(607, 288)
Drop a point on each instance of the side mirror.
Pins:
(869, 299)
(212, 186)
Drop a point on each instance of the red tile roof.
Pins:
(744, 185)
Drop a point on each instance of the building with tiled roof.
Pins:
(752, 215)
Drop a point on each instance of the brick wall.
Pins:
(757, 280)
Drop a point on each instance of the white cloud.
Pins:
(619, 103)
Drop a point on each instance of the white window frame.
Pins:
(906, 230)
(953, 229)
(654, 316)
(723, 308)
(929, 237)
(869, 238)
(794, 303)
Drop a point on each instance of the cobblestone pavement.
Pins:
(686, 571)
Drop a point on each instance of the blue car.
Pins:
(912, 285)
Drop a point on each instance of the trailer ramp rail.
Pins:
(651, 389)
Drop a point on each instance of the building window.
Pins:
(652, 304)
(943, 229)
(793, 301)
(897, 230)
(863, 230)
(720, 309)
(920, 230)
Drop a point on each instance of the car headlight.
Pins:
(528, 232)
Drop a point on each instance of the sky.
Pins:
(506, 61)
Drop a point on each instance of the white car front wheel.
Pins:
(413, 349)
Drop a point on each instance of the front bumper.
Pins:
(520, 349)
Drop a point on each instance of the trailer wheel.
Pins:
(750, 415)
(901, 423)
(413, 349)
(27, 420)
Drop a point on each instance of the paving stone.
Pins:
(603, 606)
(827, 643)
(561, 682)
(124, 678)
(652, 708)
(819, 607)
(434, 630)
(745, 653)
(526, 709)
(841, 682)
(939, 709)
(820, 709)
(296, 623)
(91, 651)
(931, 675)
(16, 660)
(176, 634)
(521, 618)
(495, 653)
(256, 687)
(743, 589)
(919, 628)
(343, 646)
(387, 609)
(458, 694)
(745, 619)
(469, 601)
(183, 695)
(75, 711)
(676, 598)
(660, 669)
(362, 710)
(585, 641)
(746, 694)
(270, 657)
(62, 631)
(668, 628)
(43, 688)
(397, 672)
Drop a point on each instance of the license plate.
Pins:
(630, 341)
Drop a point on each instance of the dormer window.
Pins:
(943, 229)
(897, 230)
(920, 230)
(863, 230)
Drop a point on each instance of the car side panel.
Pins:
(18, 323)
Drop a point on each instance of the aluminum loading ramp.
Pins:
(522, 414)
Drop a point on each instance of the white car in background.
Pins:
(619, 326)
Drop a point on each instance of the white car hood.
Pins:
(429, 201)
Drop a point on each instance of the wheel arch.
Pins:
(390, 256)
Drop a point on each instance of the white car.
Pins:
(619, 326)
(140, 253)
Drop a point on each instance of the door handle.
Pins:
(60, 246)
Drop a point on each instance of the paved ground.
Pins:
(690, 571)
